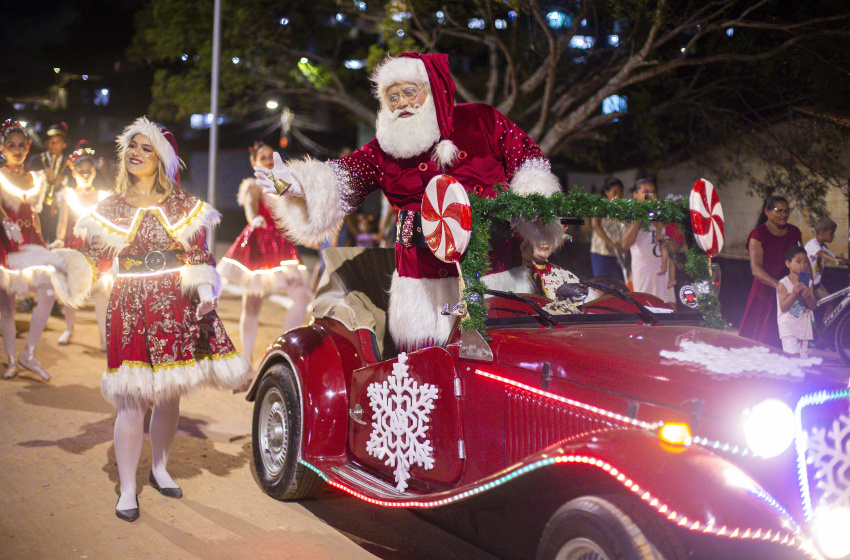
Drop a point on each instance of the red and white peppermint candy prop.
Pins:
(446, 218)
(707, 217)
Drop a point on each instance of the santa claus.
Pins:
(421, 134)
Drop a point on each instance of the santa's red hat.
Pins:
(433, 70)
(162, 141)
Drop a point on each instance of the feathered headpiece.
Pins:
(10, 125)
(79, 155)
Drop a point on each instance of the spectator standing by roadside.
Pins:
(645, 250)
(605, 241)
(767, 245)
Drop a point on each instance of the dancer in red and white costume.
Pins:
(164, 338)
(421, 133)
(261, 260)
(30, 267)
(75, 203)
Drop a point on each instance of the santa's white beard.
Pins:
(410, 136)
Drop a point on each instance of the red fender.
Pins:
(689, 486)
(324, 395)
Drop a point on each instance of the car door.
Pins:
(404, 418)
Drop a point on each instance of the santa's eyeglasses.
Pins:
(409, 93)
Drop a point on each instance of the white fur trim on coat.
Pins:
(414, 312)
(94, 233)
(535, 177)
(317, 215)
(153, 133)
(193, 275)
(207, 218)
(146, 385)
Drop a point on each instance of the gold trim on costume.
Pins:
(172, 365)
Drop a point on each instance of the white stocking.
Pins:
(70, 316)
(297, 290)
(101, 300)
(7, 322)
(163, 427)
(46, 297)
(248, 324)
(129, 435)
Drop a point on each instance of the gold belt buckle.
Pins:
(155, 261)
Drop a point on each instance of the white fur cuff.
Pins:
(193, 275)
(318, 214)
(533, 178)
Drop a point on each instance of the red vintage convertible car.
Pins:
(623, 431)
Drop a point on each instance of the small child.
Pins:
(670, 245)
(819, 253)
(795, 300)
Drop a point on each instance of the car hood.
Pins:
(671, 366)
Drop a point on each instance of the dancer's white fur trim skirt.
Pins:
(141, 382)
(68, 271)
(260, 282)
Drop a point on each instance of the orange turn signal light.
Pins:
(675, 433)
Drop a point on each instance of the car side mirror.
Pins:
(572, 291)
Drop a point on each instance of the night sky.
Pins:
(77, 36)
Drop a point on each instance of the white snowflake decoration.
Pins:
(739, 361)
(829, 453)
(401, 407)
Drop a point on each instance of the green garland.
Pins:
(492, 216)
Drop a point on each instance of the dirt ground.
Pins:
(59, 480)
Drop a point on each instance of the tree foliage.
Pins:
(693, 72)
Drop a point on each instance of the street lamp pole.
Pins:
(213, 159)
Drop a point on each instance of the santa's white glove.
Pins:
(258, 222)
(13, 232)
(208, 300)
(278, 180)
(56, 244)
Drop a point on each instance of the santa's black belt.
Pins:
(409, 230)
(151, 262)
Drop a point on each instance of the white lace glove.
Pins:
(266, 178)
(12, 232)
(208, 301)
(258, 222)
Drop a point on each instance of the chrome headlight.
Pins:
(769, 428)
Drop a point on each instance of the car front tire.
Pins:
(594, 528)
(276, 437)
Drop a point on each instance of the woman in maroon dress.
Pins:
(767, 245)
(164, 338)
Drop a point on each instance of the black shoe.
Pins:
(127, 514)
(168, 492)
